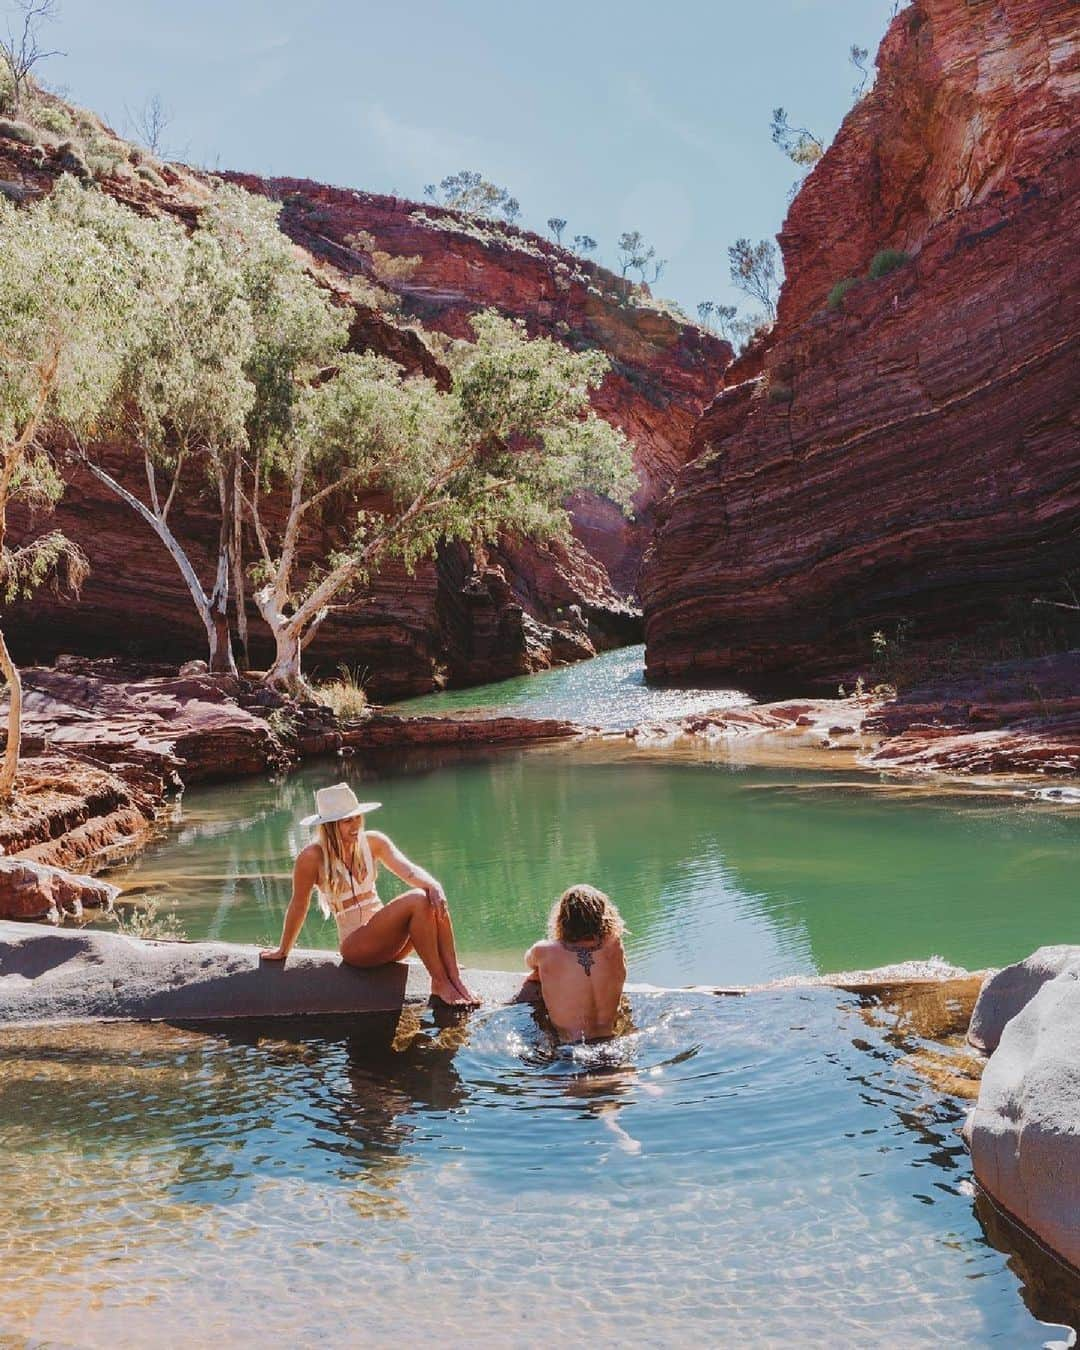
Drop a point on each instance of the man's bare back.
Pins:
(582, 966)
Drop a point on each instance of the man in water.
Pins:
(581, 967)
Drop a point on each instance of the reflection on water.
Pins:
(724, 874)
(732, 1171)
(608, 691)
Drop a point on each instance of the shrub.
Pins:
(888, 260)
(149, 924)
(780, 393)
(73, 159)
(53, 118)
(18, 131)
(150, 175)
(345, 695)
(836, 296)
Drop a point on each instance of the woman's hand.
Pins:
(437, 897)
(273, 954)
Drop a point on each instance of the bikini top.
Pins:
(339, 884)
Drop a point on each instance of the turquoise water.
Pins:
(608, 692)
(762, 1171)
(724, 874)
(772, 1170)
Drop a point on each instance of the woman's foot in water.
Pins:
(473, 1000)
(447, 992)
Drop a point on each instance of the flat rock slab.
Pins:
(83, 975)
(1024, 1133)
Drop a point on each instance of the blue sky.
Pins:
(629, 115)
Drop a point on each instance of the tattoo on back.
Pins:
(585, 959)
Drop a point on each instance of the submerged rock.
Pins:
(1024, 1133)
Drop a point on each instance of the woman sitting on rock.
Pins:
(341, 865)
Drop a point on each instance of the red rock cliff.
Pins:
(914, 453)
(463, 619)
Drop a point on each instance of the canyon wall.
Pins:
(906, 458)
(465, 618)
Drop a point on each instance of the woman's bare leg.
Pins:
(408, 919)
(448, 952)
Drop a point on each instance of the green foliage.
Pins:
(556, 224)
(835, 298)
(584, 243)
(51, 557)
(886, 261)
(780, 393)
(472, 193)
(296, 328)
(69, 303)
(283, 724)
(500, 453)
(52, 117)
(22, 132)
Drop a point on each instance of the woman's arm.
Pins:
(305, 875)
(386, 851)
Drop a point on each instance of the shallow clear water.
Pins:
(724, 874)
(765, 1171)
(609, 692)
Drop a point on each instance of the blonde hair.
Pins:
(332, 852)
(583, 913)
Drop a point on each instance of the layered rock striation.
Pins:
(904, 456)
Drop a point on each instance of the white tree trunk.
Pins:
(10, 765)
(213, 611)
(286, 671)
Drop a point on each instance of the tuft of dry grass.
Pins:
(345, 695)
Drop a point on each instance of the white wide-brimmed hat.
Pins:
(337, 803)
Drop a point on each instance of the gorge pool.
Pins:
(764, 1170)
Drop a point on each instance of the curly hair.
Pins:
(583, 914)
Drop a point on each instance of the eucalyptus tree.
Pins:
(68, 311)
(501, 452)
(297, 331)
(182, 404)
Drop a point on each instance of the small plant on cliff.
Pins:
(718, 318)
(68, 301)
(501, 452)
(886, 261)
(637, 255)
(800, 144)
(556, 225)
(584, 243)
(835, 298)
(475, 195)
(753, 269)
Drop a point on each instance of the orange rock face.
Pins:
(910, 454)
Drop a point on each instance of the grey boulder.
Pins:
(1024, 1132)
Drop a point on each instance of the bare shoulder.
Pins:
(378, 842)
(542, 948)
(309, 859)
